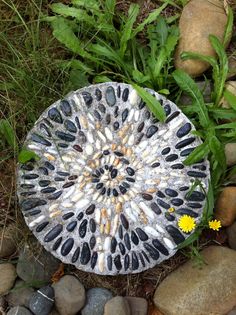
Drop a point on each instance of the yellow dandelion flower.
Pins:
(214, 225)
(186, 223)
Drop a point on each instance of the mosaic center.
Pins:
(110, 185)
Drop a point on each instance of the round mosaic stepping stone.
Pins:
(110, 185)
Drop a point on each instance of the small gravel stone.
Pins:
(117, 305)
(96, 300)
(69, 295)
(20, 295)
(8, 237)
(41, 302)
(19, 310)
(7, 277)
(138, 306)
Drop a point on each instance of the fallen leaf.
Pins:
(58, 274)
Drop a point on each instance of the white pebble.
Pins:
(152, 231)
(133, 97)
(68, 193)
(136, 115)
(131, 140)
(89, 149)
(77, 196)
(53, 206)
(97, 216)
(67, 204)
(107, 244)
(101, 262)
(101, 136)
(159, 228)
(147, 210)
(90, 137)
(38, 220)
(130, 116)
(98, 144)
(82, 203)
(168, 243)
(108, 134)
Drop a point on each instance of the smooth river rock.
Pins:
(117, 305)
(96, 300)
(20, 295)
(231, 233)
(8, 238)
(198, 20)
(138, 306)
(230, 153)
(19, 310)
(231, 87)
(225, 209)
(7, 277)
(210, 290)
(41, 302)
(69, 295)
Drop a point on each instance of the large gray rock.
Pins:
(198, 20)
(20, 294)
(69, 295)
(138, 306)
(8, 238)
(117, 305)
(7, 277)
(36, 270)
(42, 301)
(19, 310)
(96, 300)
(210, 290)
(231, 232)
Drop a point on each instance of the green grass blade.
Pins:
(161, 30)
(26, 155)
(93, 5)
(198, 153)
(8, 133)
(217, 150)
(151, 18)
(229, 27)
(127, 28)
(230, 98)
(231, 125)
(152, 103)
(187, 84)
(78, 14)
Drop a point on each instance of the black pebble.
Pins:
(165, 151)
(187, 211)
(85, 254)
(43, 170)
(75, 255)
(94, 260)
(40, 139)
(97, 115)
(151, 131)
(156, 243)
(80, 216)
(194, 205)
(147, 196)
(126, 262)
(120, 232)
(184, 130)
(177, 202)
(130, 171)
(77, 122)
(171, 157)
(114, 173)
(102, 108)
(116, 111)
(68, 215)
(83, 228)
(55, 196)
(196, 174)
(115, 192)
(175, 234)
(63, 173)
(110, 96)
(200, 167)
(139, 138)
(108, 119)
(27, 167)
(46, 129)
(48, 190)
(49, 166)
(177, 166)
(160, 194)
(156, 164)
(154, 254)
(55, 115)
(155, 208)
(122, 248)
(163, 204)
(167, 109)
(118, 153)
(92, 242)
(171, 192)
(57, 243)
(44, 183)
(32, 203)
(67, 185)
(67, 246)
(117, 262)
(116, 125)
(90, 209)
(118, 92)
(125, 95)
(124, 221)
(130, 179)
(98, 94)
(125, 114)
(185, 142)
(87, 98)
(186, 151)
(109, 262)
(134, 238)
(113, 245)
(92, 225)
(70, 126)
(81, 137)
(169, 216)
(26, 186)
(66, 108)
(135, 262)
(140, 127)
(172, 116)
(53, 233)
(64, 136)
(141, 234)
(41, 226)
(142, 260)
(71, 226)
(123, 190)
(195, 196)
(28, 193)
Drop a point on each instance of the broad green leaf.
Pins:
(8, 133)
(76, 64)
(26, 155)
(231, 125)
(219, 113)
(217, 150)
(110, 6)
(230, 98)
(63, 32)
(198, 153)
(152, 103)
(151, 18)
(65, 10)
(88, 4)
(161, 30)
(187, 84)
(139, 77)
(229, 26)
(102, 79)
(192, 55)
(127, 28)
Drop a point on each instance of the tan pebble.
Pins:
(86, 174)
(49, 157)
(102, 228)
(123, 131)
(113, 199)
(55, 214)
(104, 212)
(151, 190)
(108, 227)
(125, 139)
(129, 152)
(84, 122)
(98, 125)
(143, 217)
(116, 162)
(82, 185)
(113, 146)
(118, 207)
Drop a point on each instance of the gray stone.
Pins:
(42, 301)
(206, 89)
(7, 277)
(117, 305)
(8, 240)
(210, 290)
(36, 270)
(230, 153)
(232, 312)
(231, 232)
(69, 295)
(96, 300)
(20, 294)
(138, 306)
(19, 310)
